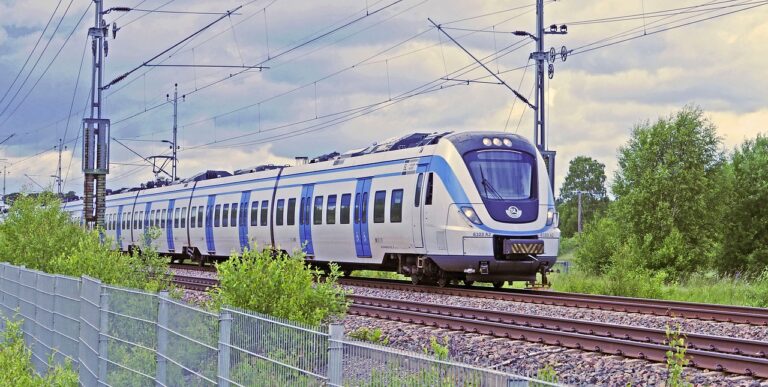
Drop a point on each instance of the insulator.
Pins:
(93, 47)
(551, 71)
(106, 48)
(114, 30)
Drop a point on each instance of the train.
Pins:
(436, 207)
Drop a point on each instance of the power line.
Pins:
(39, 38)
(34, 66)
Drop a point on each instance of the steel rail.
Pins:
(442, 317)
(720, 313)
(194, 283)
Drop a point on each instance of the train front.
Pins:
(505, 225)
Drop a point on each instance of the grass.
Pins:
(707, 288)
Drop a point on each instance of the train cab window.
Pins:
(200, 217)
(396, 206)
(225, 216)
(233, 216)
(318, 213)
(183, 217)
(255, 214)
(264, 212)
(379, 202)
(428, 195)
(163, 218)
(217, 216)
(330, 212)
(279, 212)
(192, 217)
(419, 182)
(291, 216)
(344, 215)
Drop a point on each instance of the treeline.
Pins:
(682, 204)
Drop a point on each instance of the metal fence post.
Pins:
(162, 338)
(103, 331)
(335, 354)
(225, 328)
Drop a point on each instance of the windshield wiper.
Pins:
(487, 185)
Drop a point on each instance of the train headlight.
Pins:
(552, 217)
(487, 141)
(507, 142)
(497, 142)
(470, 214)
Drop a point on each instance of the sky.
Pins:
(345, 74)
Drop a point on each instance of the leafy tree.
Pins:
(586, 175)
(745, 230)
(666, 191)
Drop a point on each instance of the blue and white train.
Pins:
(472, 206)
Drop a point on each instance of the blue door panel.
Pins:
(305, 219)
(169, 225)
(119, 227)
(242, 223)
(147, 208)
(362, 198)
(209, 224)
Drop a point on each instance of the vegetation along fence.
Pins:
(123, 337)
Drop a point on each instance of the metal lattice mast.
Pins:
(96, 128)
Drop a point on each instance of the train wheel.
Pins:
(416, 279)
(443, 281)
(468, 284)
(498, 284)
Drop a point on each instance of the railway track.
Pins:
(724, 354)
(709, 312)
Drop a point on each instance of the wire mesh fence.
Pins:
(118, 337)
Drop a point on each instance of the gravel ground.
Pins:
(742, 331)
(574, 367)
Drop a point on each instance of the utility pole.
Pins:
(541, 56)
(5, 172)
(174, 143)
(96, 128)
(58, 169)
(579, 224)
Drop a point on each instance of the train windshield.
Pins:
(501, 174)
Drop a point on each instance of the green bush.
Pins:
(281, 286)
(375, 335)
(41, 236)
(597, 245)
(16, 363)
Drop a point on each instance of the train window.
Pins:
(225, 216)
(176, 213)
(396, 206)
(428, 195)
(217, 216)
(264, 212)
(183, 217)
(301, 212)
(419, 182)
(279, 212)
(233, 216)
(318, 215)
(255, 214)
(344, 216)
(200, 216)
(122, 222)
(192, 217)
(135, 219)
(163, 218)
(364, 212)
(379, 202)
(357, 208)
(330, 213)
(157, 219)
(151, 218)
(291, 212)
(141, 220)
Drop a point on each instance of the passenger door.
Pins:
(305, 219)
(416, 214)
(362, 197)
